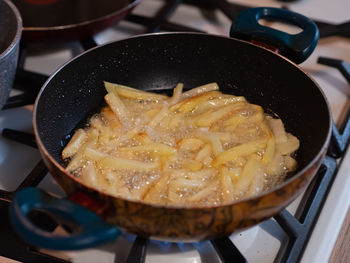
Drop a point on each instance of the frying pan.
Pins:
(158, 62)
(69, 20)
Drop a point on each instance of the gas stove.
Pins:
(305, 231)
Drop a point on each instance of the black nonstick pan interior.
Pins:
(160, 61)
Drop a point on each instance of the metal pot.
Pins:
(10, 32)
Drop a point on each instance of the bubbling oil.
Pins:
(171, 154)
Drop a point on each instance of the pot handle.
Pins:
(296, 47)
(93, 230)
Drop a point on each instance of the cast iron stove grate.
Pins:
(297, 228)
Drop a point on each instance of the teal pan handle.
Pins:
(93, 231)
(296, 47)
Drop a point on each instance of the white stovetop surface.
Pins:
(258, 244)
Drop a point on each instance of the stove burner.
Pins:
(138, 251)
(227, 250)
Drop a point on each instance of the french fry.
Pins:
(159, 116)
(226, 99)
(181, 183)
(276, 166)
(89, 175)
(252, 169)
(237, 119)
(156, 148)
(92, 154)
(143, 138)
(238, 151)
(207, 161)
(117, 106)
(277, 129)
(76, 162)
(289, 146)
(192, 165)
(122, 163)
(234, 120)
(177, 94)
(118, 186)
(205, 192)
(290, 163)
(130, 134)
(159, 190)
(203, 153)
(239, 161)
(257, 184)
(132, 93)
(208, 118)
(269, 152)
(258, 116)
(105, 136)
(201, 89)
(226, 185)
(223, 136)
(92, 136)
(112, 120)
(190, 144)
(219, 102)
(169, 161)
(266, 130)
(202, 174)
(213, 140)
(77, 140)
(175, 120)
(127, 136)
(141, 191)
(97, 123)
(191, 103)
(174, 198)
(234, 173)
(152, 112)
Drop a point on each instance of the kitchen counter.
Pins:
(341, 251)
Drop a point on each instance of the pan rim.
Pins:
(319, 156)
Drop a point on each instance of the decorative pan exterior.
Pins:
(182, 224)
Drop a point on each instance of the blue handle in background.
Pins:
(296, 47)
(93, 230)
